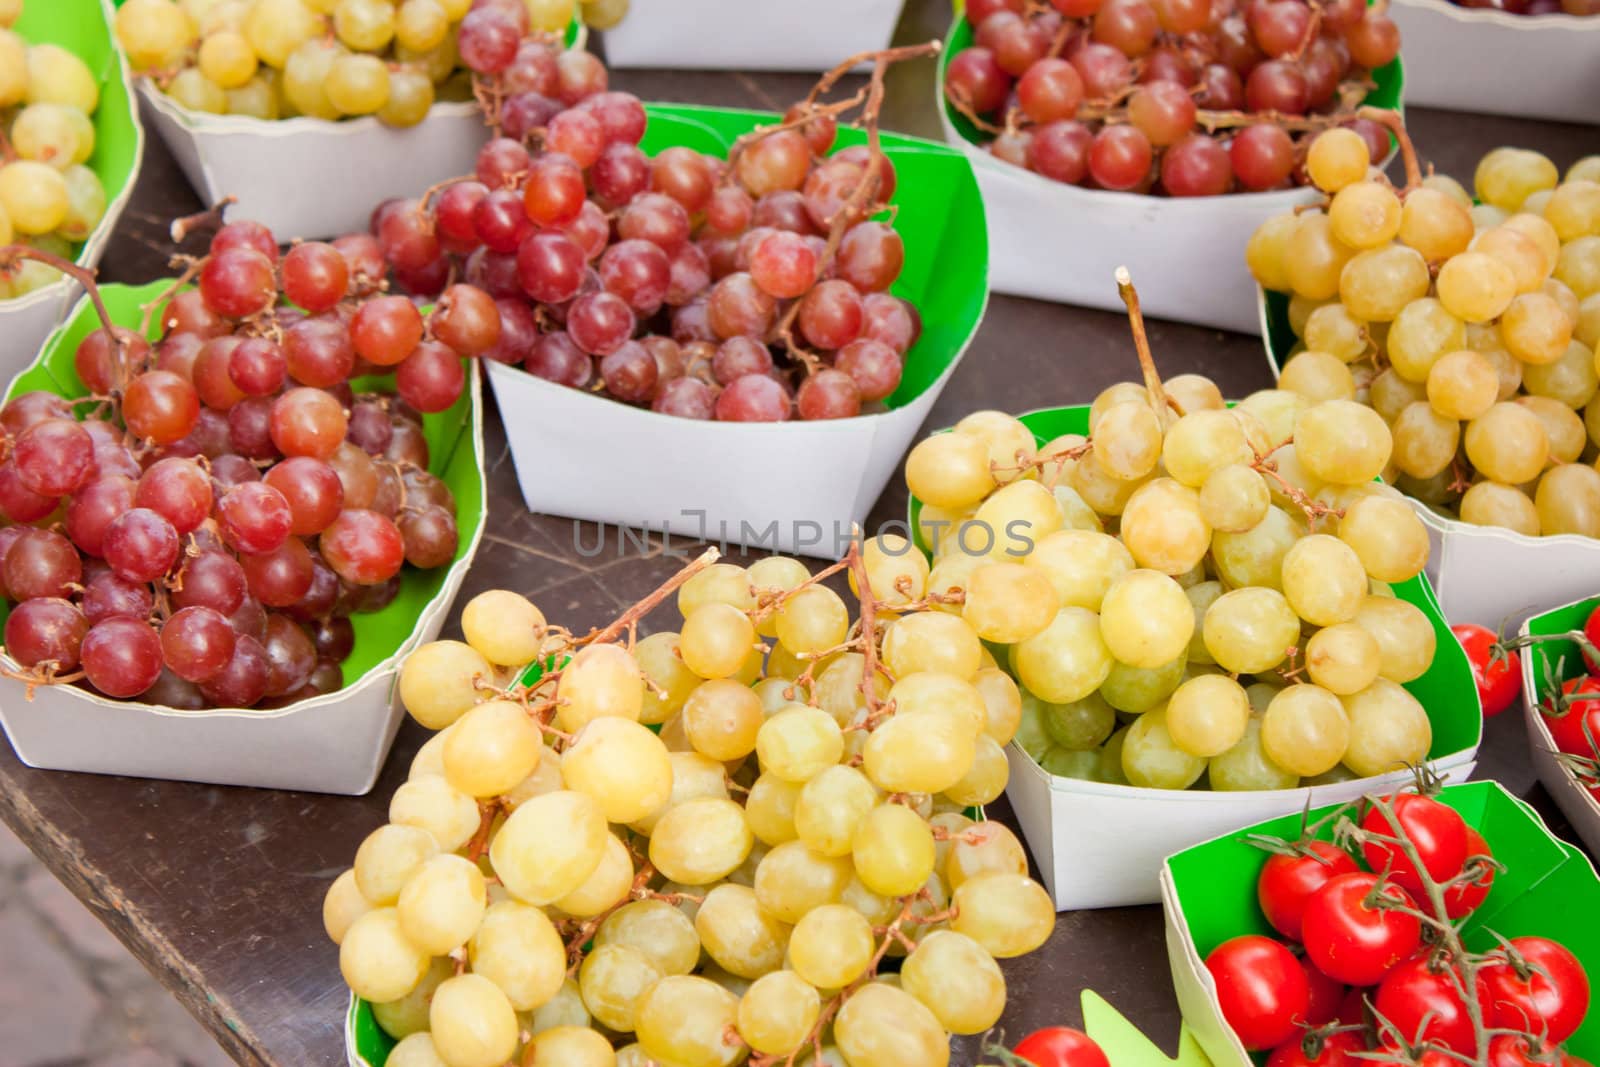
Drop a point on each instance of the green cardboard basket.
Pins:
(1101, 845)
(1559, 660)
(83, 27)
(1061, 242)
(335, 743)
(717, 469)
(1549, 889)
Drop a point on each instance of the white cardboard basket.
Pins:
(588, 457)
(336, 743)
(27, 321)
(1575, 802)
(749, 34)
(1472, 59)
(1102, 846)
(312, 178)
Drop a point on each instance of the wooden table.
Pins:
(218, 890)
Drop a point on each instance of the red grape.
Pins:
(363, 255)
(729, 210)
(754, 398)
(1277, 85)
(738, 356)
(121, 656)
(196, 643)
(872, 365)
(211, 374)
(237, 283)
(621, 116)
(280, 577)
(246, 234)
(315, 276)
(1262, 156)
(307, 422)
(178, 490)
(657, 218)
(250, 430)
(1197, 166)
(160, 406)
(53, 456)
(687, 398)
(213, 579)
(41, 563)
(318, 352)
(579, 74)
(829, 394)
(974, 78)
(1130, 26)
(870, 256)
(576, 135)
(257, 366)
(682, 174)
(556, 358)
(600, 322)
(243, 681)
(487, 41)
(1050, 90)
(1060, 150)
(1119, 157)
(1374, 41)
(502, 220)
(363, 547)
(621, 173)
(187, 313)
(831, 314)
(254, 518)
(106, 595)
(140, 544)
(784, 265)
(890, 320)
(465, 319)
(630, 373)
(46, 630)
(100, 366)
(385, 330)
(775, 162)
(92, 508)
(291, 655)
(432, 378)
(430, 536)
(1280, 26)
(1164, 111)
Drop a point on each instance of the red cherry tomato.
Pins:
(1464, 897)
(1061, 1046)
(1353, 941)
(1261, 988)
(1572, 729)
(1424, 1004)
(1353, 1008)
(1286, 883)
(1499, 680)
(1320, 1050)
(1516, 1050)
(1437, 832)
(1326, 995)
(1539, 988)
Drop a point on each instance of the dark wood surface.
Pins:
(218, 890)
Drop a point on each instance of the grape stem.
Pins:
(10, 254)
(1396, 125)
(632, 616)
(1141, 341)
(1265, 466)
(192, 267)
(181, 228)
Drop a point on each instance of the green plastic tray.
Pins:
(451, 443)
(1547, 888)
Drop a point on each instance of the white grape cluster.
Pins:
(49, 197)
(1471, 328)
(1141, 577)
(699, 851)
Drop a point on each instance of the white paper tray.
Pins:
(333, 744)
(749, 35)
(1471, 59)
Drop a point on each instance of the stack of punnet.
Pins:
(698, 846)
(1103, 135)
(267, 101)
(739, 35)
(1190, 593)
(232, 508)
(701, 289)
(76, 146)
(1463, 67)
(1471, 328)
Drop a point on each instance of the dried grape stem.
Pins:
(211, 216)
(880, 57)
(82, 275)
(869, 622)
(1141, 341)
(1391, 121)
(643, 607)
(193, 268)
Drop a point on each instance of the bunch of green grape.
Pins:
(1471, 328)
(699, 848)
(325, 59)
(1173, 603)
(49, 198)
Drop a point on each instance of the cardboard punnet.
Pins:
(1100, 845)
(1055, 241)
(84, 28)
(1560, 660)
(741, 35)
(311, 178)
(1208, 894)
(333, 744)
(1461, 61)
(588, 457)
(1546, 569)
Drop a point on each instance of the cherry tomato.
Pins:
(1320, 1050)
(1287, 881)
(1572, 729)
(1326, 995)
(1437, 832)
(1061, 1046)
(1499, 679)
(1424, 1004)
(1591, 630)
(1464, 897)
(1517, 1050)
(1539, 987)
(1353, 941)
(1353, 1008)
(1261, 988)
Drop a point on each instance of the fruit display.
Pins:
(1176, 604)
(57, 180)
(1470, 328)
(1173, 97)
(324, 59)
(698, 846)
(748, 289)
(1389, 930)
(196, 530)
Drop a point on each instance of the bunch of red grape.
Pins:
(1536, 7)
(750, 289)
(1178, 97)
(201, 538)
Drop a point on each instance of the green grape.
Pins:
(1206, 715)
(1032, 736)
(1493, 504)
(357, 84)
(1020, 514)
(778, 1012)
(53, 133)
(1342, 442)
(1079, 724)
(791, 880)
(1436, 222)
(415, 1050)
(1138, 689)
(611, 980)
(14, 66)
(420, 25)
(1579, 266)
(1305, 730)
(798, 743)
(1571, 379)
(343, 905)
(578, 1046)
(812, 620)
(986, 779)
(409, 1015)
(720, 583)
(957, 979)
(1573, 209)
(893, 851)
(1250, 630)
(1365, 214)
(670, 682)
(154, 33)
(600, 681)
(376, 959)
(1245, 766)
(1068, 660)
(227, 60)
(1255, 557)
(1151, 759)
(1389, 730)
(1145, 619)
(1507, 176)
(700, 841)
(882, 1026)
(1332, 329)
(1563, 427)
(1081, 565)
(1008, 602)
(1376, 285)
(830, 808)
(86, 203)
(34, 196)
(1073, 763)
(1313, 258)
(411, 96)
(690, 1021)
(194, 91)
(276, 28)
(1323, 580)
(388, 858)
(1343, 658)
(1163, 526)
(665, 935)
(1234, 499)
(1007, 914)
(305, 76)
(550, 845)
(1275, 412)
(1423, 332)
(1387, 536)
(1318, 376)
(519, 950)
(56, 76)
(950, 470)
(442, 904)
(919, 753)
(944, 694)
(492, 748)
(1337, 157)
(1127, 441)
(1110, 766)
(931, 641)
(831, 946)
(1568, 500)
(1201, 596)
(256, 98)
